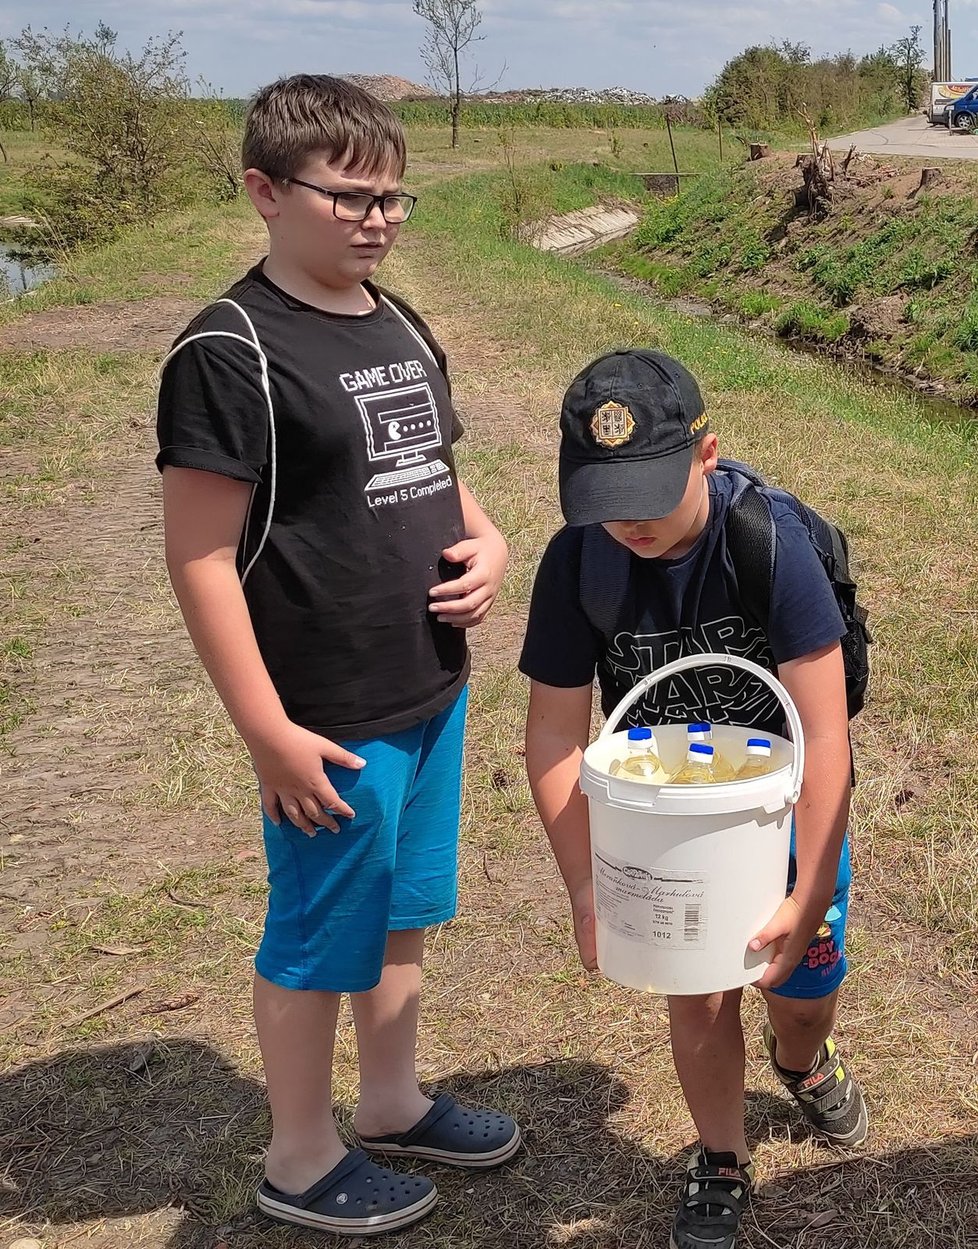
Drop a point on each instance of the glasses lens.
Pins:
(351, 205)
(398, 207)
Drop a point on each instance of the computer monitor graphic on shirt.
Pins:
(401, 425)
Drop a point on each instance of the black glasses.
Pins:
(358, 205)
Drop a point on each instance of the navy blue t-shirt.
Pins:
(675, 608)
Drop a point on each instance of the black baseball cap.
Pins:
(628, 426)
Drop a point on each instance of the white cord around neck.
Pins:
(254, 343)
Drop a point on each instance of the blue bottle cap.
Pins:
(701, 748)
(639, 735)
(698, 728)
(758, 741)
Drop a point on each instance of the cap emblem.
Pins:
(612, 425)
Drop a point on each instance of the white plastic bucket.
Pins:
(685, 875)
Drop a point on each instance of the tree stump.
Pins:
(930, 176)
(758, 151)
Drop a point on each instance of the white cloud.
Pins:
(657, 46)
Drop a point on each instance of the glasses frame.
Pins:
(375, 200)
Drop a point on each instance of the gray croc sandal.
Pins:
(451, 1134)
(356, 1198)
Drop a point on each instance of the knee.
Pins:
(800, 1015)
(703, 1008)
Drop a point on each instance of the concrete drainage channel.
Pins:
(576, 232)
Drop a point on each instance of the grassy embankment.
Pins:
(888, 275)
(511, 1019)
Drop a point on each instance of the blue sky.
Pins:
(656, 46)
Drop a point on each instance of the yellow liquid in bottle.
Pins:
(722, 770)
(641, 763)
(640, 767)
(697, 770)
(757, 763)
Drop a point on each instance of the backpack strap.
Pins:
(751, 541)
(605, 566)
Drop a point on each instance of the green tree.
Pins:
(909, 54)
(8, 74)
(126, 123)
(769, 88)
(452, 29)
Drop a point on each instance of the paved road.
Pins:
(912, 136)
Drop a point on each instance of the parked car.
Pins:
(963, 114)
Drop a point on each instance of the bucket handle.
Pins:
(795, 729)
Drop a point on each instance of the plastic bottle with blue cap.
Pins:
(698, 768)
(703, 732)
(758, 761)
(642, 761)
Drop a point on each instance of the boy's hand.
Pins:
(582, 902)
(790, 931)
(289, 764)
(472, 595)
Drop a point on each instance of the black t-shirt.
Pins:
(675, 608)
(361, 486)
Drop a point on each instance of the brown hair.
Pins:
(295, 118)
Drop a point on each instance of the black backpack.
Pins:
(751, 542)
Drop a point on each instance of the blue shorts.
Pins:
(334, 897)
(824, 966)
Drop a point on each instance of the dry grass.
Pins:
(130, 827)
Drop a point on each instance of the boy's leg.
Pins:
(386, 1020)
(325, 934)
(424, 893)
(802, 1012)
(393, 1116)
(296, 1029)
(708, 1050)
(801, 1026)
(807, 1062)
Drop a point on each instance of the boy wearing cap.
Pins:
(637, 471)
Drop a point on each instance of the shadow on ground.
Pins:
(111, 1134)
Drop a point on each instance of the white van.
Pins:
(942, 96)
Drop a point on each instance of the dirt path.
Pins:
(119, 871)
(78, 805)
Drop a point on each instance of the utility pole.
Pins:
(947, 40)
(942, 41)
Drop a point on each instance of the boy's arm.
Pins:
(203, 518)
(557, 728)
(816, 683)
(484, 553)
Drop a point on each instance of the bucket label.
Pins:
(664, 909)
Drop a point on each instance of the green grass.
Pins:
(546, 114)
(24, 149)
(874, 458)
(737, 239)
(186, 253)
(806, 320)
(510, 1019)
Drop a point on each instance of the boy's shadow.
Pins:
(121, 1131)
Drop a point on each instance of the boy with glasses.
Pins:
(328, 561)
